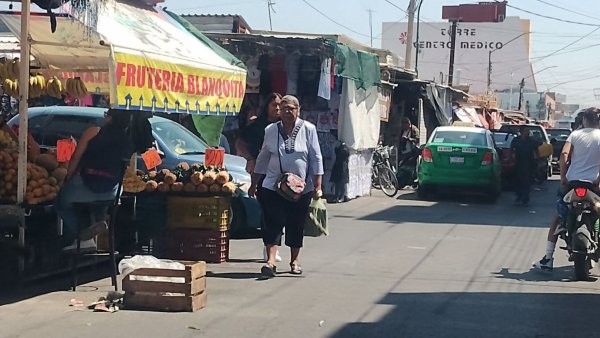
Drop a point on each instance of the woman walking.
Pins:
(252, 137)
(290, 149)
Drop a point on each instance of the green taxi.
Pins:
(460, 158)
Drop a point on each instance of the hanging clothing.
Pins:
(278, 74)
(291, 66)
(325, 79)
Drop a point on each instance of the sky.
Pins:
(575, 72)
(574, 69)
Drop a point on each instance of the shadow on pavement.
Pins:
(14, 293)
(234, 275)
(479, 314)
(562, 274)
(461, 213)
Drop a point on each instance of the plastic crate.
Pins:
(195, 244)
(210, 213)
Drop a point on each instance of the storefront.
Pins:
(338, 85)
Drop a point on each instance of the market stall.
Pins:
(152, 64)
(337, 81)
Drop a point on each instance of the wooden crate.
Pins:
(211, 246)
(210, 213)
(188, 296)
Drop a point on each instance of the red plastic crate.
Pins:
(211, 246)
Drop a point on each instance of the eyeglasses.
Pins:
(288, 109)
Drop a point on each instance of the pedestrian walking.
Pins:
(525, 149)
(290, 166)
(252, 137)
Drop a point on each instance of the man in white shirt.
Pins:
(579, 161)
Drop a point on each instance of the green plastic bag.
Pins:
(316, 222)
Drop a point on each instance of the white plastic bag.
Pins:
(126, 266)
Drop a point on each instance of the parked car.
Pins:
(558, 137)
(538, 133)
(174, 142)
(503, 143)
(460, 158)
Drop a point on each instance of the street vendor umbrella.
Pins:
(153, 64)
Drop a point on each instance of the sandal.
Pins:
(296, 269)
(268, 270)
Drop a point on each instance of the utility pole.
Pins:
(452, 51)
(521, 88)
(489, 78)
(371, 24)
(418, 37)
(270, 5)
(409, 35)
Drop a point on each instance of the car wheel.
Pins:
(423, 192)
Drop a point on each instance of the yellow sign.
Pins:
(158, 86)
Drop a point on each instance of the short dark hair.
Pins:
(591, 115)
(406, 120)
(523, 127)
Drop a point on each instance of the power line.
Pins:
(567, 9)
(549, 17)
(335, 22)
(569, 45)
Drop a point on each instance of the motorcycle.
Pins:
(407, 169)
(582, 227)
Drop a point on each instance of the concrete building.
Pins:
(482, 28)
(218, 23)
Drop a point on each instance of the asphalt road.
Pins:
(391, 268)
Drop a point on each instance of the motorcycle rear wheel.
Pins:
(580, 257)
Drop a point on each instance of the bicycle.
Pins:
(384, 177)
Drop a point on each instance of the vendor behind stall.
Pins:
(252, 136)
(94, 173)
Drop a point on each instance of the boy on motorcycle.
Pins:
(579, 161)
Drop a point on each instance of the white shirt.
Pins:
(300, 154)
(585, 155)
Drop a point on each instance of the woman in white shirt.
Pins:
(291, 146)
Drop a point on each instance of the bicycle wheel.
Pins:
(375, 178)
(388, 181)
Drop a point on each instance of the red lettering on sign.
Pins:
(204, 86)
(212, 84)
(130, 76)
(141, 76)
(227, 88)
(179, 87)
(191, 87)
(150, 72)
(166, 76)
(157, 79)
(120, 72)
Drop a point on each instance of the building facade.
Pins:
(508, 38)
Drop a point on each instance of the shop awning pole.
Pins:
(23, 96)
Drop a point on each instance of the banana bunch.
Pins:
(11, 87)
(54, 88)
(76, 88)
(6, 142)
(37, 85)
